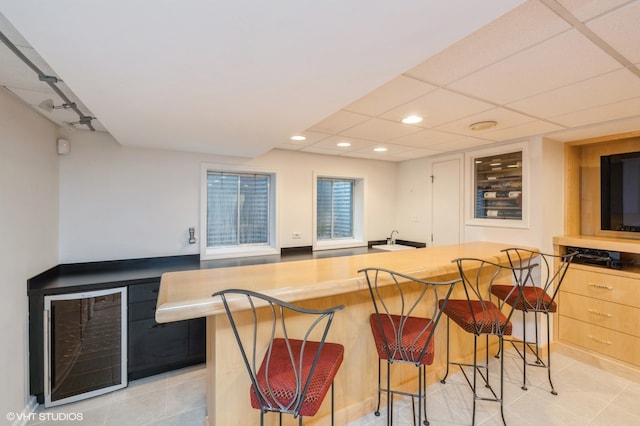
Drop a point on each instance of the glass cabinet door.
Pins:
(85, 344)
(498, 186)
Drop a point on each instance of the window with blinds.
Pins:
(238, 209)
(335, 201)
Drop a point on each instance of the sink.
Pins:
(392, 247)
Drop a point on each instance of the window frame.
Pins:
(209, 253)
(471, 185)
(359, 238)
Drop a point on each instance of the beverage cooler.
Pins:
(85, 341)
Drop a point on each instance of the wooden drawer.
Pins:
(601, 313)
(612, 288)
(599, 339)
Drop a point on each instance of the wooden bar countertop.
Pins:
(187, 294)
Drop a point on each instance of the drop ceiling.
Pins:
(240, 78)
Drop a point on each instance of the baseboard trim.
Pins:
(602, 362)
(27, 413)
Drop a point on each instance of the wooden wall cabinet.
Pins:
(598, 307)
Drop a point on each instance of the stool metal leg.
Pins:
(524, 349)
(377, 412)
(446, 374)
(553, 391)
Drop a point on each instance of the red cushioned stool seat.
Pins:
(280, 385)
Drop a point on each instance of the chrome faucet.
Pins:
(392, 240)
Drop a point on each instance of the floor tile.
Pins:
(586, 396)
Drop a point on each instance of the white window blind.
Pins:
(334, 208)
(238, 208)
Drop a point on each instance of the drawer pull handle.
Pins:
(602, 286)
(598, 340)
(600, 314)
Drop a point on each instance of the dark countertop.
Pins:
(67, 278)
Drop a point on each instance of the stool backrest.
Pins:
(553, 269)
(264, 327)
(397, 298)
(490, 314)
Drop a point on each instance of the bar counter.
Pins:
(314, 283)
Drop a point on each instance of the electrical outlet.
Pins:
(296, 235)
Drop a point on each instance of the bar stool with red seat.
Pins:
(290, 376)
(407, 311)
(539, 297)
(481, 313)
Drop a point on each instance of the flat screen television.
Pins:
(620, 192)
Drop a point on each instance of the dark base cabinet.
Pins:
(155, 348)
(152, 348)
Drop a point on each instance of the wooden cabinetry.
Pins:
(598, 307)
(498, 186)
(598, 311)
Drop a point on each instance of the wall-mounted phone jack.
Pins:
(192, 236)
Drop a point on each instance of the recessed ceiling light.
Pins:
(380, 149)
(298, 138)
(412, 119)
(483, 125)
(343, 144)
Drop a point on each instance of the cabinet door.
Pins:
(498, 186)
(153, 345)
(197, 339)
(85, 342)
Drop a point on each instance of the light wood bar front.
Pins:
(315, 283)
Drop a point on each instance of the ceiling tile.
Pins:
(588, 9)
(504, 117)
(398, 91)
(380, 130)
(557, 62)
(311, 138)
(621, 30)
(338, 122)
(533, 128)
(332, 143)
(393, 152)
(631, 124)
(438, 107)
(463, 142)
(321, 150)
(426, 139)
(601, 90)
(520, 28)
(414, 153)
(623, 109)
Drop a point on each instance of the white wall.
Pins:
(546, 176)
(546, 193)
(118, 203)
(28, 234)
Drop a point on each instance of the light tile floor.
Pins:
(586, 396)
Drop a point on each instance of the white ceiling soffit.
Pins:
(236, 77)
(240, 79)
